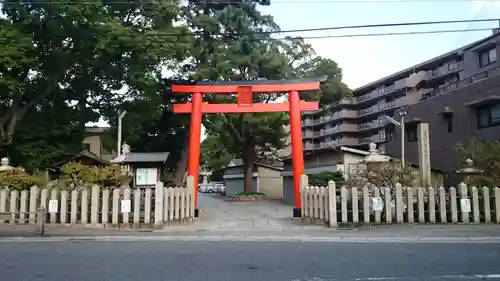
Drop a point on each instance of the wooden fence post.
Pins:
(399, 203)
(159, 204)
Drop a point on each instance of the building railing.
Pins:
(462, 83)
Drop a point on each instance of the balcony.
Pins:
(344, 113)
(307, 122)
(386, 105)
(382, 91)
(365, 111)
(375, 138)
(462, 83)
(446, 69)
(365, 125)
(308, 146)
(307, 134)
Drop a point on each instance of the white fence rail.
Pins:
(121, 207)
(369, 205)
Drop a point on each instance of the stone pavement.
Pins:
(218, 213)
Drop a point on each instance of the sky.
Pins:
(367, 59)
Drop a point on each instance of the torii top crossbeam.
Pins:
(245, 91)
(258, 86)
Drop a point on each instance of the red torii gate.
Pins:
(245, 91)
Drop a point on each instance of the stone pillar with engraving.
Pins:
(424, 154)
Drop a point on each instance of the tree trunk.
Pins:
(248, 164)
(181, 166)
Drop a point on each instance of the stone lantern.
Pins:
(375, 160)
(4, 164)
(469, 170)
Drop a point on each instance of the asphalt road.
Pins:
(246, 261)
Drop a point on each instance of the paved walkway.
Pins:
(218, 213)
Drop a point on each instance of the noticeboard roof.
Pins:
(142, 157)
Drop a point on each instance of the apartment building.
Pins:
(467, 107)
(360, 120)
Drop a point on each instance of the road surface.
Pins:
(247, 261)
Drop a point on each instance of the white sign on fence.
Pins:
(465, 205)
(378, 204)
(53, 206)
(125, 206)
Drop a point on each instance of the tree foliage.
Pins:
(386, 176)
(215, 156)
(486, 157)
(81, 54)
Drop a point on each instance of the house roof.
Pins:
(239, 163)
(342, 148)
(142, 157)
(87, 154)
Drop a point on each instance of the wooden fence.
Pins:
(120, 207)
(369, 205)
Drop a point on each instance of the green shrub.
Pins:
(77, 175)
(18, 179)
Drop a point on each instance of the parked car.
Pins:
(206, 188)
(212, 187)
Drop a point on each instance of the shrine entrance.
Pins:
(245, 91)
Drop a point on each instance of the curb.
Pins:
(230, 238)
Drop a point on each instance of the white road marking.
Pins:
(409, 278)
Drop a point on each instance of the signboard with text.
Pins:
(146, 176)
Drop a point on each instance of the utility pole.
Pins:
(402, 114)
(401, 125)
(121, 114)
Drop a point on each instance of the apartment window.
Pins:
(86, 146)
(488, 116)
(411, 133)
(453, 66)
(449, 123)
(487, 57)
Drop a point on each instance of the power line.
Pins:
(470, 24)
(379, 25)
(388, 34)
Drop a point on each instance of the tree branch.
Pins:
(233, 129)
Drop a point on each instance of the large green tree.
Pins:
(233, 42)
(84, 53)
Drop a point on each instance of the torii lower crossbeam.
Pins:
(245, 91)
(234, 108)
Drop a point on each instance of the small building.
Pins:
(145, 167)
(343, 159)
(93, 142)
(265, 178)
